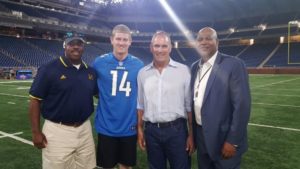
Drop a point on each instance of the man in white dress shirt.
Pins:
(164, 107)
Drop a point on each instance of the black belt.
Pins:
(71, 124)
(166, 124)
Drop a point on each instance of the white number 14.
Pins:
(124, 86)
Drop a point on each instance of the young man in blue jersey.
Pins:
(116, 117)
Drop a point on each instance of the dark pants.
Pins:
(167, 143)
(204, 160)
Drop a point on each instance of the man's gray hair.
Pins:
(161, 33)
(214, 35)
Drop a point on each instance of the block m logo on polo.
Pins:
(63, 77)
(90, 77)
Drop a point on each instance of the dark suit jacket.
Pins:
(226, 105)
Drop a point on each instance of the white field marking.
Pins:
(286, 95)
(11, 103)
(22, 88)
(279, 82)
(16, 138)
(12, 85)
(6, 94)
(278, 89)
(18, 133)
(15, 81)
(280, 105)
(274, 75)
(274, 127)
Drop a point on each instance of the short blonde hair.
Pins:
(121, 28)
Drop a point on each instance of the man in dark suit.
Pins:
(221, 105)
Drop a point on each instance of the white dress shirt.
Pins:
(164, 96)
(200, 85)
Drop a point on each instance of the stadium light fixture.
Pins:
(295, 22)
(106, 2)
(262, 26)
(81, 3)
(117, 1)
(231, 30)
(281, 40)
(176, 44)
(251, 41)
(100, 2)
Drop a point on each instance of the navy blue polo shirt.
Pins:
(66, 93)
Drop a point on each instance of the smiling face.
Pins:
(207, 43)
(121, 43)
(161, 49)
(74, 50)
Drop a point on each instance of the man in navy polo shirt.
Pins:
(62, 93)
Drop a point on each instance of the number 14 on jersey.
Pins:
(124, 85)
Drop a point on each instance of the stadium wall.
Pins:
(274, 70)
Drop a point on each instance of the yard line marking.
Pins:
(270, 84)
(6, 94)
(277, 89)
(12, 85)
(18, 133)
(22, 88)
(275, 127)
(275, 95)
(11, 103)
(15, 81)
(281, 105)
(16, 138)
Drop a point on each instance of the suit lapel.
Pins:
(212, 76)
(194, 71)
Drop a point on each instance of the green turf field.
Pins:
(274, 129)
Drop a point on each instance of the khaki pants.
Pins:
(68, 147)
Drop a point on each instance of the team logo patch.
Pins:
(90, 77)
(62, 77)
(133, 127)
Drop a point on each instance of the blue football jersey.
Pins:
(116, 113)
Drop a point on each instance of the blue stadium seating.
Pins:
(232, 50)
(6, 61)
(26, 9)
(280, 58)
(256, 53)
(246, 34)
(35, 52)
(279, 32)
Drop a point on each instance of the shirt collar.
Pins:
(67, 63)
(124, 60)
(211, 60)
(171, 63)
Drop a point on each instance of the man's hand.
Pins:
(190, 147)
(39, 140)
(228, 150)
(141, 140)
